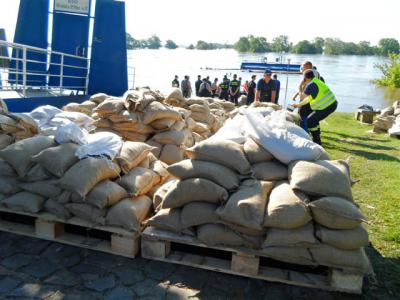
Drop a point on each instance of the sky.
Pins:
(187, 21)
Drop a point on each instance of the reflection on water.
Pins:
(348, 76)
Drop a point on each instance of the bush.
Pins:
(391, 72)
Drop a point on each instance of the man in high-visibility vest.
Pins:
(322, 102)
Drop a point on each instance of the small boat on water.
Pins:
(278, 66)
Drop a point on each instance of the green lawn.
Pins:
(375, 162)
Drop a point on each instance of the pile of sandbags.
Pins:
(387, 118)
(37, 174)
(230, 194)
(16, 127)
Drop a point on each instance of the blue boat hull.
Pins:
(275, 67)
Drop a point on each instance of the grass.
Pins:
(375, 162)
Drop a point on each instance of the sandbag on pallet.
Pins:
(106, 194)
(270, 171)
(139, 181)
(198, 213)
(131, 154)
(9, 185)
(298, 237)
(24, 201)
(87, 212)
(46, 188)
(346, 239)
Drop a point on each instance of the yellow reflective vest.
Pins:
(325, 97)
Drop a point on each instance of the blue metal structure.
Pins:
(31, 29)
(274, 67)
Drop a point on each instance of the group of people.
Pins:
(266, 89)
(317, 101)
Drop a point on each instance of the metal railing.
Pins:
(36, 68)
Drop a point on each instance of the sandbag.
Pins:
(6, 169)
(46, 188)
(157, 110)
(169, 219)
(159, 195)
(321, 178)
(293, 255)
(270, 171)
(24, 201)
(9, 185)
(131, 154)
(125, 116)
(66, 197)
(87, 212)
(354, 261)
(133, 136)
(218, 234)
(171, 137)
(156, 147)
(139, 181)
(52, 206)
(226, 153)
(134, 127)
(178, 125)
(85, 174)
(129, 213)
(19, 154)
(216, 173)
(192, 190)
(98, 98)
(346, 239)
(100, 144)
(110, 106)
(171, 154)
(5, 140)
(160, 168)
(286, 209)
(198, 213)
(244, 230)
(37, 173)
(106, 194)
(246, 207)
(255, 153)
(298, 237)
(336, 213)
(57, 160)
(175, 98)
(162, 124)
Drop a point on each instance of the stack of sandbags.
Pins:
(209, 200)
(88, 106)
(16, 127)
(386, 119)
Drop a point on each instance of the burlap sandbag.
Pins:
(37, 173)
(87, 212)
(6, 169)
(24, 201)
(286, 208)
(198, 213)
(169, 219)
(321, 178)
(157, 110)
(201, 117)
(133, 136)
(171, 154)
(244, 230)
(296, 237)
(5, 140)
(133, 127)
(129, 213)
(246, 207)
(218, 174)
(52, 206)
(125, 116)
(201, 108)
(103, 123)
(85, 174)
(66, 197)
(110, 106)
(19, 154)
(270, 171)
(201, 127)
(346, 239)
(131, 154)
(178, 125)
(192, 190)
(190, 123)
(175, 98)
(139, 181)
(106, 194)
(256, 153)
(293, 255)
(46, 188)
(227, 153)
(9, 125)
(336, 213)
(354, 261)
(162, 124)
(98, 98)
(9, 185)
(159, 194)
(218, 234)
(157, 147)
(171, 137)
(160, 168)
(57, 160)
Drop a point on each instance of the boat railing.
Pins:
(31, 68)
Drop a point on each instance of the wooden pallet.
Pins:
(75, 232)
(185, 250)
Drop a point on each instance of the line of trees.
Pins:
(329, 46)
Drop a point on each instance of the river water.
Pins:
(348, 76)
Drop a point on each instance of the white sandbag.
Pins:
(43, 114)
(100, 144)
(71, 133)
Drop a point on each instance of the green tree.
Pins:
(390, 71)
(388, 45)
(304, 47)
(281, 44)
(242, 45)
(130, 41)
(319, 45)
(258, 44)
(191, 47)
(202, 45)
(349, 48)
(169, 44)
(333, 46)
(365, 48)
(154, 42)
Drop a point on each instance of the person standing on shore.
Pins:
(251, 90)
(214, 87)
(175, 82)
(205, 89)
(197, 84)
(277, 86)
(186, 87)
(224, 89)
(266, 90)
(234, 88)
(321, 100)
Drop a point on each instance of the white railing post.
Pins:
(16, 67)
(61, 73)
(24, 71)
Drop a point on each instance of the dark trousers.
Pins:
(224, 95)
(186, 93)
(304, 111)
(315, 117)
(250, 99)
(234, 98)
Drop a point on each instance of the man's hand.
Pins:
(295, 105)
